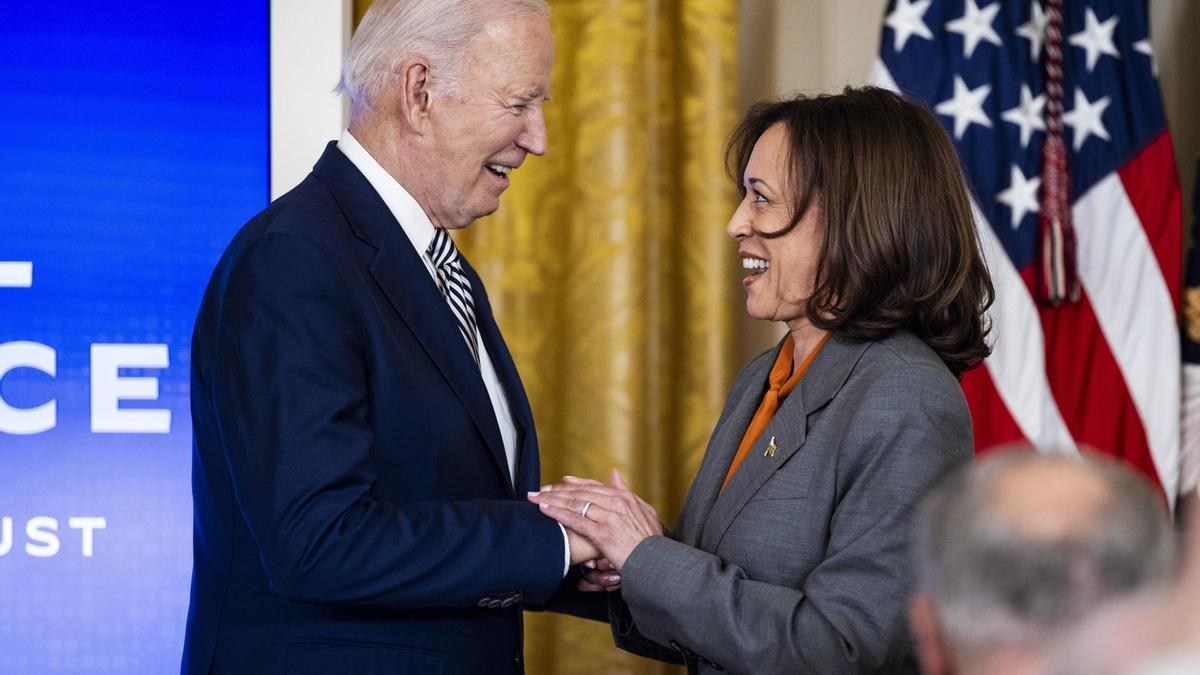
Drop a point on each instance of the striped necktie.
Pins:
(455, 287)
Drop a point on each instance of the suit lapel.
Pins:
(528, 468)
(721, 449)
(789, 429)
(405, 281)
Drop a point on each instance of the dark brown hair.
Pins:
(900, 249)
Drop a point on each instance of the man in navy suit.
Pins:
(362, 441)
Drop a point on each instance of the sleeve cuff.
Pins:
(566, 551)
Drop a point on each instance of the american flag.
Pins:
(1102, 372)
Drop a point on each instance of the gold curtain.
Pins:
(609, 268)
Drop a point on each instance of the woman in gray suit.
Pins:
(790, 555)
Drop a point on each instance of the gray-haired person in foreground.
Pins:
(1014, 551)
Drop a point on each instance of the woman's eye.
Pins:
(758, 198)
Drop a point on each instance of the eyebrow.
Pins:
(531, 95)
(759, 181)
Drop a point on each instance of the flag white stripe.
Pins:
(16, 274)
(1135, 313)
(1018, 362)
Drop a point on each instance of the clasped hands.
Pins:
(604, 524)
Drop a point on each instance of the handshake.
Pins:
(604, 524)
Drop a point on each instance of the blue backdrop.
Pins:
(136, 143)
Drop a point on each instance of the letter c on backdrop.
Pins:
(26, 421)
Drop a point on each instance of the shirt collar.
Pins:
(412, 218)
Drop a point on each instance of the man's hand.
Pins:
(599, 575)
(582, 549)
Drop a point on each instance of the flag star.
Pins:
(1034, 30)
(975, 25)
(1021, 196)
(1096, 38)
(1085, 118)
(906, 20)
(1143, 47)
(966, 106)
(1027, 115)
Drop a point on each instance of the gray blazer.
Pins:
(802, 564)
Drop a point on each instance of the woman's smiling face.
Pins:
(780, 271)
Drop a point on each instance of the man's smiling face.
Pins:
(485, 124)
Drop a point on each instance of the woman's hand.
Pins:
(612, 517)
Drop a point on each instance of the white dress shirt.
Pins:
(416, 224)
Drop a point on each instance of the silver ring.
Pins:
(586, 506)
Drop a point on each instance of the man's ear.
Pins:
(931, 650)
(414, 93)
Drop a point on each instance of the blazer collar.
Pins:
(405, 281)
(369, 216)
(404, 207)
(721, 448)
(528, 468)
(788, 429)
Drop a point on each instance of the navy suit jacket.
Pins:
(353, 509)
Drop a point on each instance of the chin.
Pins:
(472, 213)
(483, 213)
(756, 313)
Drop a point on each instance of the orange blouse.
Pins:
(780, 386)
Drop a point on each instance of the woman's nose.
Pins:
(739, 224)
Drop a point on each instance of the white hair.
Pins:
(993, 586)
(438, 30)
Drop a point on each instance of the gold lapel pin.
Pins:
(771, 448)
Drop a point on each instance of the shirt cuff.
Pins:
(566, 550)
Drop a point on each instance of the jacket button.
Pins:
(509, 602)
(517, 664)
(686, 653)
(483, 602)
(494, 604)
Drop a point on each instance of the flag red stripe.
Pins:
(1152, 182)
(1089, 387)
(993, 425)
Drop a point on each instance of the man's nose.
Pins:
(533, 138)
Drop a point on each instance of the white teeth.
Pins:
(756, 264)
(502, 170)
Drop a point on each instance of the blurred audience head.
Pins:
(1152, 634)
(1016, 550)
